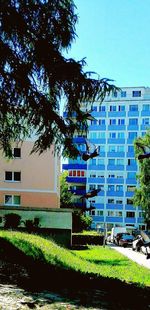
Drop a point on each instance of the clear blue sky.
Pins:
(114, 36)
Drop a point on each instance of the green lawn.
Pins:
(95, 261)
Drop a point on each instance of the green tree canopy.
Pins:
(35, 75)
(65, 194)
(142, 194)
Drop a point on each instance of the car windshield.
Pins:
(127, 237)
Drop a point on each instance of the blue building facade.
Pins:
(120, 119)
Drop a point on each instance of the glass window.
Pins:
(112, 148)
(92, 187)
(115, 94)
(112, 108)
(119, 202)
(93, 135)
(102, 108)
(111, 161)
(12, 200)
(99, 212)
(94, 122)
(111, 200)
(120, 161)
(102, 148)
(120, 148)
(100, 175)
(131, 161)
(146, 107)
(101, 121)
(119, 213)
(92, 175)
(121, 121)
(101, 135)
(93, 161)
(17, 176)
(82, 173)
(111, 188)
(17, 152)
(70, 173)
(119, 188)
(136, 93)
(121, 135)
(132, 135)
(131, 175)
(8, 176)
(130, 214)
(121, 108)
(119, 176)
(111, 176)
(112, 135)
(111, 213)
(94, 108)
(78, 173)
(129, 201)
(112, 121)
(74, 173)
(145, 121)
(100, 161)
(133, 121)
(133, 107)
(131, 188)
(100, 187)
(123, 94)
(131, 148)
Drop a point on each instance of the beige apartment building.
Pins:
(29, 180)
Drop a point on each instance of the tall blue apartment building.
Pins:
(120, 119)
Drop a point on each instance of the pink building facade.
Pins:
(29, 180)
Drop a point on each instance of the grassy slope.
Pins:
(96, 261)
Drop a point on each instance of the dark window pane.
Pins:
(8, 175)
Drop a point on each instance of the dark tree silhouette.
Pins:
(35, 75)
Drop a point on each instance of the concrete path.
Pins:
(137, 257)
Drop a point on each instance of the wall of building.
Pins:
(39, 178)
(118, 121)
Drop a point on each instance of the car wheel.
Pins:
(137, 249)
(133, 249)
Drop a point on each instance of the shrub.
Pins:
(80, 221)
(12, 220)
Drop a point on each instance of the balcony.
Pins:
(74, 166)
(113, 219)
(130, 220)
(76, 180)
(115, 193)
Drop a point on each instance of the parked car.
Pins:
(142, 243)
(119, 236)
(126, 240)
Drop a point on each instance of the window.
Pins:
(121, 135)
(93, 135)
(119, 202)
(100, 161)
(100, 175)
(119, 188)
(99, 212)
(146, 107)
(111, 188)
(70, 173)
(131, 188)
(93, 161)
(112, 148)
(130, 214)
(119, 176)
(94, 108)
(12, 200)
(12, 176)
(92, 175)
(102, 148)
(111, 176)
(111, 213)
(145, 121)
(94, 122)
(111, 161)
(136, 93)
(112, 135)
(131, 175)
(121, 121)
(17, 152)
(110, 200)
(119, 213)
(123, 94)
(92, 212)
(129, 201)
(102, 108)
(92, 187)
(130, 148)
(112, 108)
(133, 121)
(121, 108)
(120, 161)
(131, 161)
(132, 135)
(100, 187)
(120, 148)
(115, 94)
(74, 173)
(101, 135)
(112, 121)
(133, 107)
(101, 121)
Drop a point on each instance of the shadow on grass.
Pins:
(86, 290)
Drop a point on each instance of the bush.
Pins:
(12, 220)
(80, 221)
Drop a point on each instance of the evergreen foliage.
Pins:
(142, 194)
(35, 75)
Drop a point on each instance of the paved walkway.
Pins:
(137, 257)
